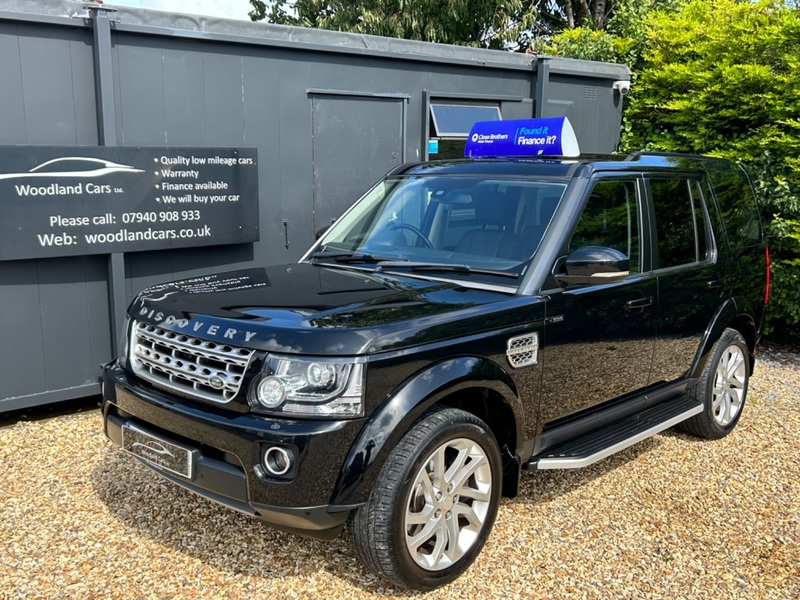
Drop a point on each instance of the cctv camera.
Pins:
(623, 87)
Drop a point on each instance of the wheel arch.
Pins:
(473, 384)
(728, 315)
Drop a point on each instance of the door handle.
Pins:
(714, 284)
(639, 303)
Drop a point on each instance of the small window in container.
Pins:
(456, 120)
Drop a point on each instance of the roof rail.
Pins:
(651, 157)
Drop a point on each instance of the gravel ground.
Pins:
(672, 517)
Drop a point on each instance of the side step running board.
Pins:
(604, 442)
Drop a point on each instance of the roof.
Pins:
(581, 166)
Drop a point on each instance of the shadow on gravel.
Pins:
(234, 544)
(49, 411)
(539, 487)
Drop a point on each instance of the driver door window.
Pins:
(611, 219)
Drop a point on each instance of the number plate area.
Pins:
(164, 454)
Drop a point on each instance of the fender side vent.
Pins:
(523, 350)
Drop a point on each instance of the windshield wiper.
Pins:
(354, 257)
(443, 268)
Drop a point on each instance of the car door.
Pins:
(691, 286)
(599, 338)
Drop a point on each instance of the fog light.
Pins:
(270, 392)
(277, 461)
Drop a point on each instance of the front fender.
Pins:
(386, 427)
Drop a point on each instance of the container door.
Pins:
(356, 141)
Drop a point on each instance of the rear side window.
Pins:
(737, 203)
(680, 222)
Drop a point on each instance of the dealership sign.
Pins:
(69, 201)
(550, 136)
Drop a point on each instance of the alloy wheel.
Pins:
(449, 504)
(729, 385)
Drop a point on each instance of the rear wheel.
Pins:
(722, 388)
(433, 504)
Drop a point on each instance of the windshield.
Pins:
(457, 224)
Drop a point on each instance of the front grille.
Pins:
(188, 365)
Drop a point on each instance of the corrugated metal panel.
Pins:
(586, 101)
(53, 98)
(22, 349)
(12, 123)
(224, 95)
(54, 320)
(47, 96)
(265, 129)
(141, 115)
(64, 309)
(184, 81)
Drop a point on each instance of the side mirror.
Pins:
(595, 265)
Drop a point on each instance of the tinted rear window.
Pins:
(680, 224)
(737, 203)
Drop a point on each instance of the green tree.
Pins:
(480, 23)
(571, 14)
(508, 24)
(622, 38)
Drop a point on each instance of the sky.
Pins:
(229, 9)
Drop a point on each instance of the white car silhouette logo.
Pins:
(153, 447)
(74, 166)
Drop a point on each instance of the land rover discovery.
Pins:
(463, 322)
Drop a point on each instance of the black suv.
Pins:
(462, 322)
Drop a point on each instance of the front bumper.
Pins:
(230, 448)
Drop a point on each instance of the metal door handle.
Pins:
(639, 303)
(714, 284)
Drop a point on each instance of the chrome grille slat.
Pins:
(204, 352)
(186, 364)
(176, 369)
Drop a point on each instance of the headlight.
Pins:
(308, 386)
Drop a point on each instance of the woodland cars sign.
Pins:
(66, 201)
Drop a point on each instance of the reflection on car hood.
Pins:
(311, 309)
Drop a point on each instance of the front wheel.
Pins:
(722, 388)
(434, 502)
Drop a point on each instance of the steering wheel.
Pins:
(415, 231)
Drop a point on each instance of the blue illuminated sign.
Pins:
(550, 136)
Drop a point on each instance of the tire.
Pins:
(404, 533)
(722, 388)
